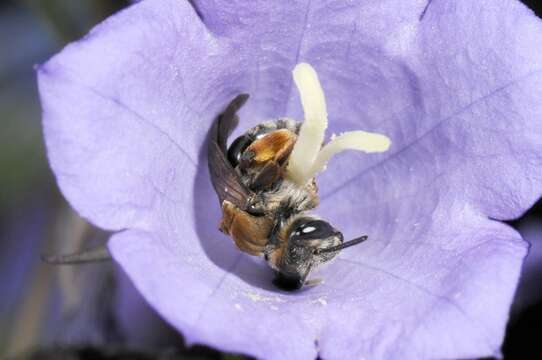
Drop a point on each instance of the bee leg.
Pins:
(245, 159)
(275, 146)
(264, 161)
(306, 274)
(283, 213)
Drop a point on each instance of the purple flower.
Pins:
(455, 85)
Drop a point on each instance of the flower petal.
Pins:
(453, 85)
(432, 267)
(419, 72)
(213, 306)
(122, 121)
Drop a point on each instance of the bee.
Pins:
(265, 183)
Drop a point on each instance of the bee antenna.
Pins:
(96, 254)
(344, 245)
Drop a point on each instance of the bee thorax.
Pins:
(298, 198)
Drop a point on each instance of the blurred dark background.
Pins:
(91, 311)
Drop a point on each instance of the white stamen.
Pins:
(352, 140)
(311, 134)
(308, 157)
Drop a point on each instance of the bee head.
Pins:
(308, 242)
(309, 236)
(311, 242)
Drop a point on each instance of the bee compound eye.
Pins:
(237, 148)
(312, 229)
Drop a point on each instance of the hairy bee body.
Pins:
(277, 201)
(265, 210)
(262, 167)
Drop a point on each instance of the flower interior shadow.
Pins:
(219, 248)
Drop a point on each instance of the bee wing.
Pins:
(225, 180)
